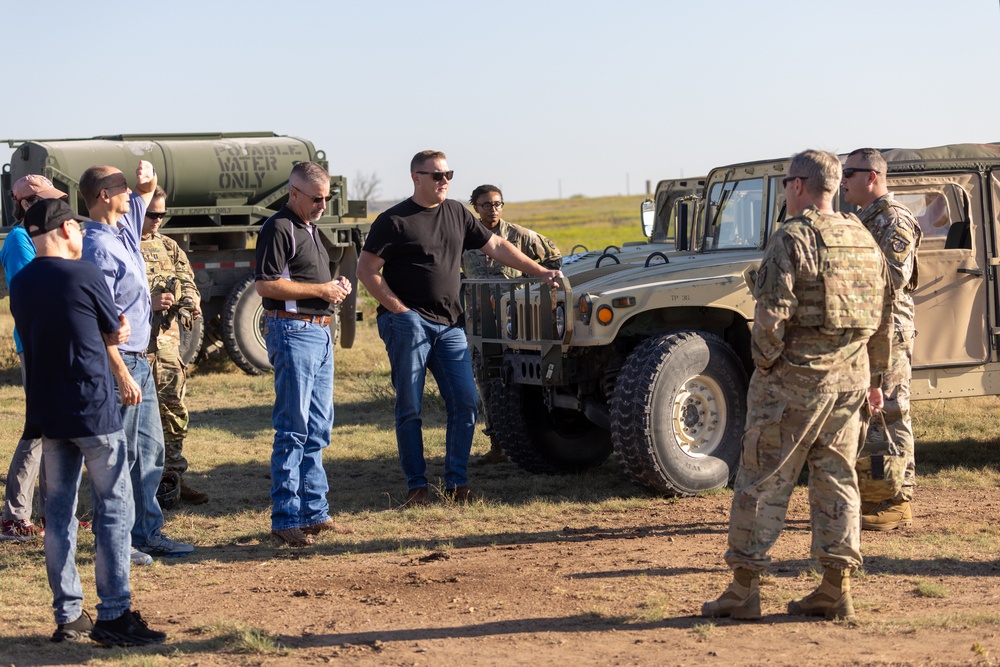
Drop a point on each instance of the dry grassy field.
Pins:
(585, 569)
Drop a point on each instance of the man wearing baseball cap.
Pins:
(15, 254)
(71, 329)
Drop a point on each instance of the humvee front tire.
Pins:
(678, 412)
(539, 441)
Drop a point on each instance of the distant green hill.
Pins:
(594, 222)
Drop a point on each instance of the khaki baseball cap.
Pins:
(34, 185)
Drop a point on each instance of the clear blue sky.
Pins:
(541, 98)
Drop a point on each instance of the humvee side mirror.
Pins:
(750, 276)
(648, 214)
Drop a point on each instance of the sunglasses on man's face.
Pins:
(438, 175)
(315, 199)
(155, 216)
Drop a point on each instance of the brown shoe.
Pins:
(461, 494)
(418, 497)
(894, 514)
(192, 496)
(294, 537)
(327, 526)
(495, 455)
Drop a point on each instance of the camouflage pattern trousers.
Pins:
(788, 428)
(171, 384)
(896, 411)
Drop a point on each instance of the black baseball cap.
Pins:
(48, 214)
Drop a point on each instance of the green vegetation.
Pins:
(592, 222)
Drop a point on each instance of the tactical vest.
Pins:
(885, 207)
(847, 292)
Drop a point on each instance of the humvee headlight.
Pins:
(584, 306)
(560, 320)
(605, 314)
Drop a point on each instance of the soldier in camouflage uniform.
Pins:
(487, 200)
(898, 234)
(174, 298)
(823, 310)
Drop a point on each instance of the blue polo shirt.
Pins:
(15, 254)
(61, 307)
(115, 251)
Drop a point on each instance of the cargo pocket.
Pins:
(762, 439)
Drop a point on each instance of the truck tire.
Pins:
(678, 412)
(242, 323)
(191, 340)
(539, 441)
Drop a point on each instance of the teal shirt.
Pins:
(15, 254)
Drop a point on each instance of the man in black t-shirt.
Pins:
(70, 329)
(293, 278)
(411, 264)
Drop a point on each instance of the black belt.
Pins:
(322, 320)
(132, 354)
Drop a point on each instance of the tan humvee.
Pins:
(645, 349)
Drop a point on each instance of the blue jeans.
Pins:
(144, 434)
(302, 356)
(415, 345)
(107, 463)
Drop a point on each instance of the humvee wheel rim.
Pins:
(699, 415)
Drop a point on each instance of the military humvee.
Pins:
(645, 350)
(220, 189)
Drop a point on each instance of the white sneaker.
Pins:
(164, 547)
(139, 557)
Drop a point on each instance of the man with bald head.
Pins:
(112, 243)
(299, 294)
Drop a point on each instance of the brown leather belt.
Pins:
(322, 320)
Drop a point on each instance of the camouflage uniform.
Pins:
(898, 235)
(814, 331)
(477, 264)
(168, 270)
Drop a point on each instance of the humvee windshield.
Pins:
(736, 210)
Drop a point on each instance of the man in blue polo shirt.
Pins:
(112, 243)
(67, 322)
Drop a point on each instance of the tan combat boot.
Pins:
(869, 507)
(832, 599)
(894, 514)
(741, 600)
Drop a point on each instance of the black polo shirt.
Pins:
(289, 248)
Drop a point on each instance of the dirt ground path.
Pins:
(607, 589)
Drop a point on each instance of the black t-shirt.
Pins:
(422, 249)
(289, 248)
(60, 307)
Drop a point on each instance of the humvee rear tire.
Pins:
(678, 412)
(539, 441)
(243, 328)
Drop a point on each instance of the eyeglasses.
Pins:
(31, 200)
(495, 205)
(123, 185)
(857, 170)
(788, 179)
(79, 227)
(317, 199)
(155, 215)
(438, 175)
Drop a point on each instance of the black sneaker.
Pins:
(74, 631)
(129, 629)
